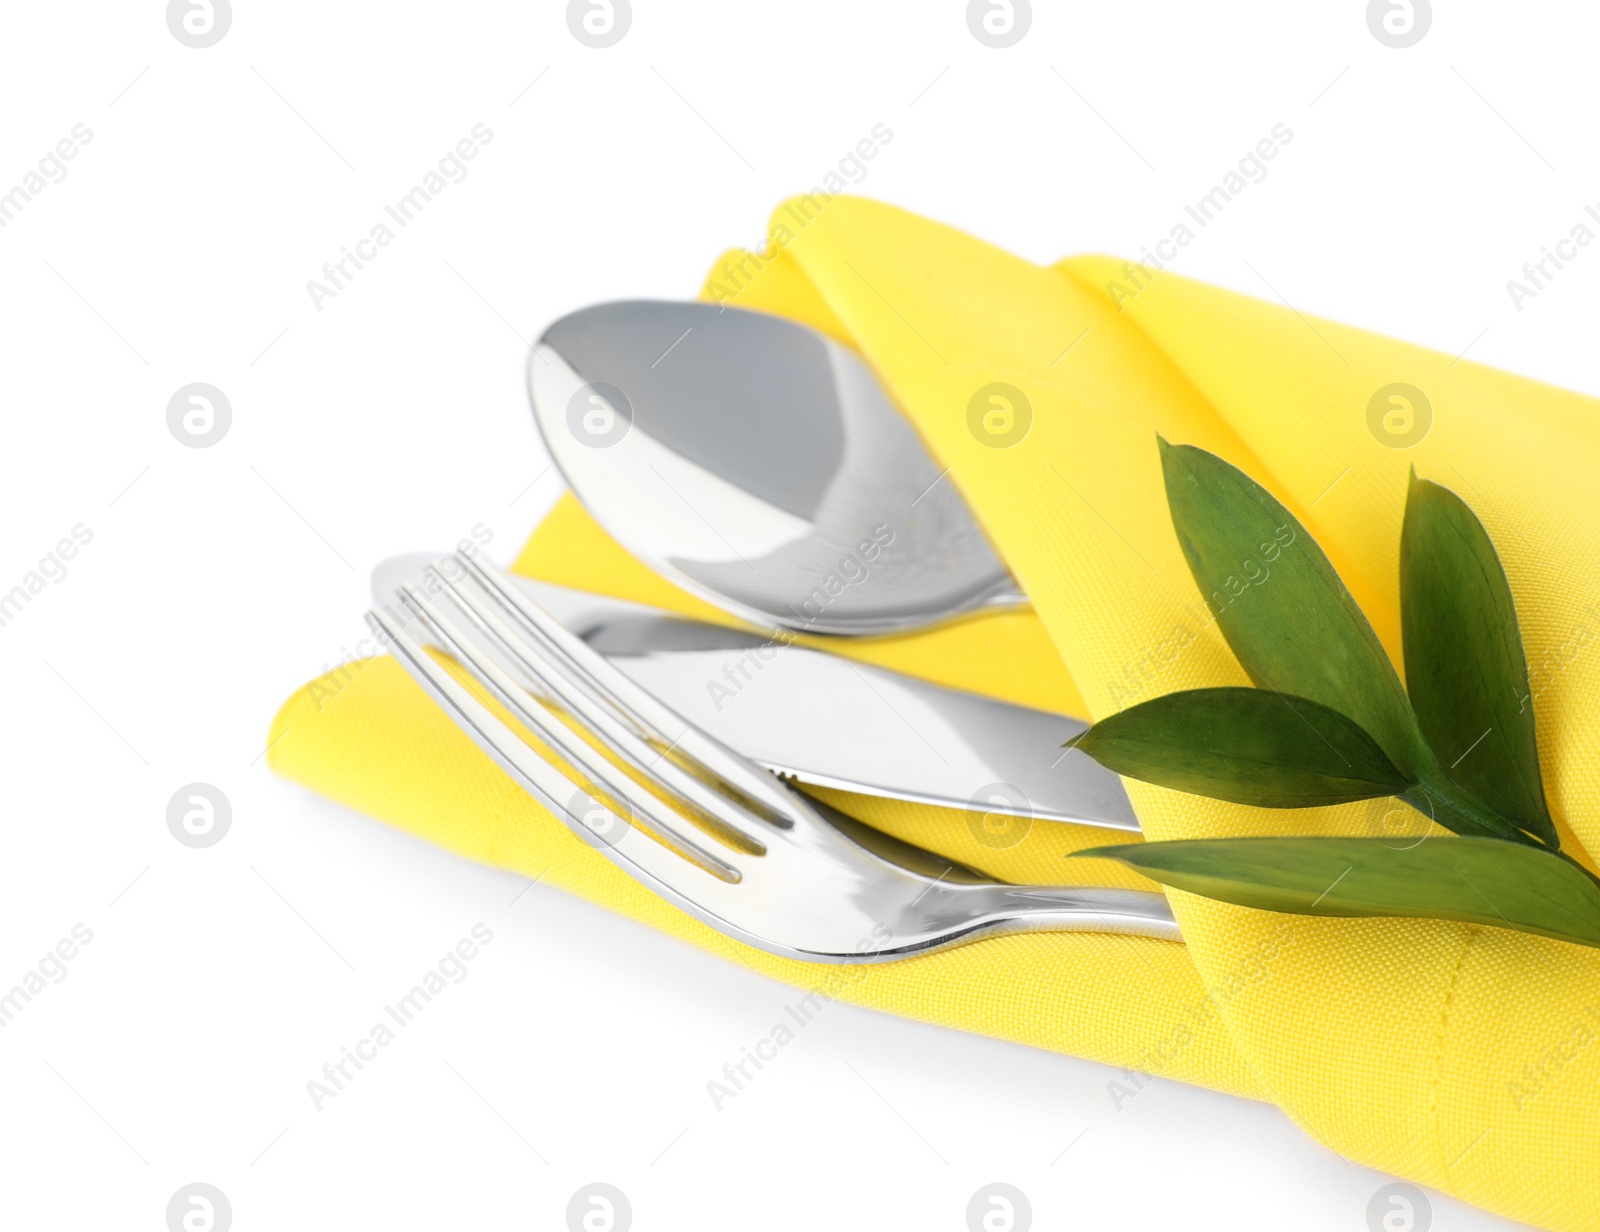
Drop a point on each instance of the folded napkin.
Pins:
(1454, 1055)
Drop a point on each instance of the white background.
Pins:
(178, 249)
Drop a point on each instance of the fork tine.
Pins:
(538, 776)
(643, 794)
(645, 810)
(654, 865)
(728, 816)
(616, 689)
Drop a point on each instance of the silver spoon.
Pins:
(760, 466)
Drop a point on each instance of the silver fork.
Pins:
(708, 830)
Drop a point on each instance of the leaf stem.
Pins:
(1577, 866)
(1440, 798)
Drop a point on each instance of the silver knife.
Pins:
(832, 722)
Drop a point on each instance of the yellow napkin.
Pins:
(1458, 1056)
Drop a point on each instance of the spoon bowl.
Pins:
(759, 465)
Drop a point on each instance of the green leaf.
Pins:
(1284, 611)
(1465, 668)
(1479, 880)
(1245, 745)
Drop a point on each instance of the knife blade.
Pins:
(832, 722)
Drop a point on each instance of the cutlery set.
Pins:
(761, 466)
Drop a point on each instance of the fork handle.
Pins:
(999, 909)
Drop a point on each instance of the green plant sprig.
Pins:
(1328, 722)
